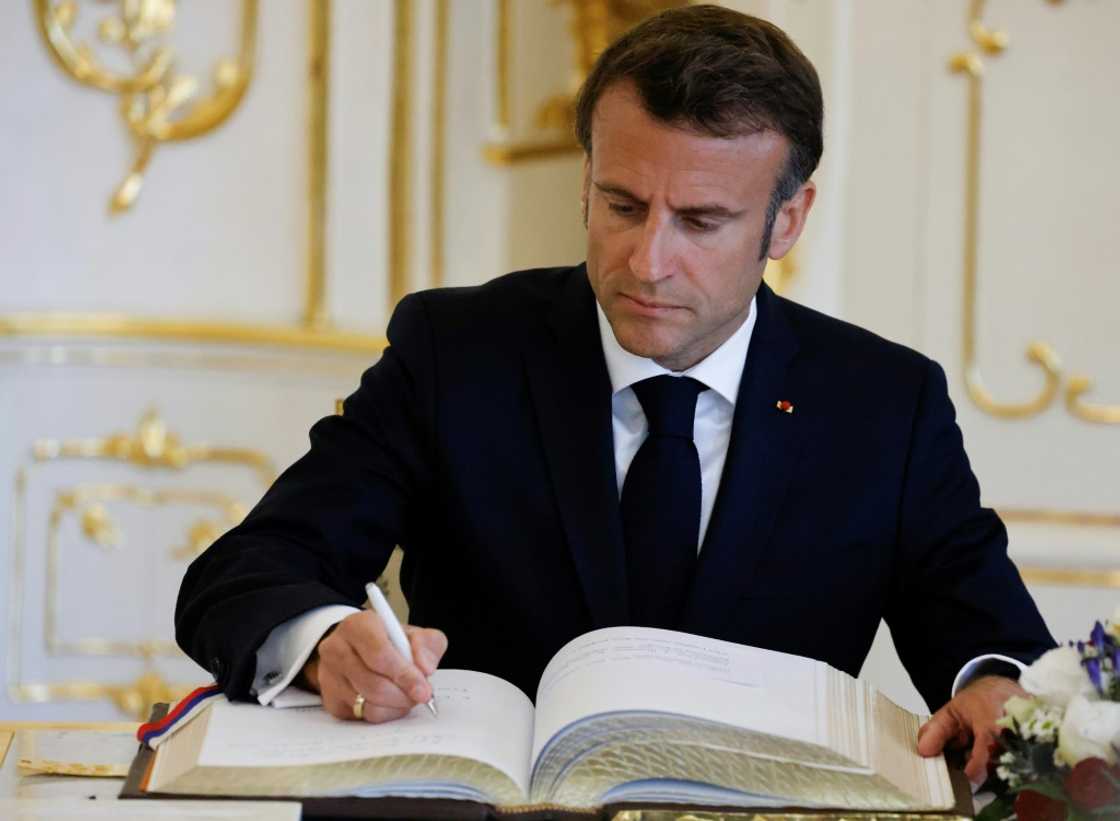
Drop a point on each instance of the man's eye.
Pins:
(703, 226)
(623, 209)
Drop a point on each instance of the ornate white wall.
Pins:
(194, 303)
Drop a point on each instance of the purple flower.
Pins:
(1093, 668)
(1098, 637)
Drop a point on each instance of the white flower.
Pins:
(1090, 729)
(1057, 677)
(1018, 708)
(1113, 624)
(1042, 725)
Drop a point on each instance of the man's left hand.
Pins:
(970, 718)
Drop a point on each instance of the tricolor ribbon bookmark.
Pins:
(153, 732)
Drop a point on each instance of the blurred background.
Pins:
(209, 210)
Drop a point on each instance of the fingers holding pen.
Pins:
(357, 657)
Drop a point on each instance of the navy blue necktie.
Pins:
(661, 503)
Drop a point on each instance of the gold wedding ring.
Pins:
(359, 707)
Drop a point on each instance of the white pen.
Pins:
(393, 627)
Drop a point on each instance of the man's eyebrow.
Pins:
(615, 191)
(710, 210)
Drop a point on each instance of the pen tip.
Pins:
(432, 707)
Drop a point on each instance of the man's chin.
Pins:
(645, 345)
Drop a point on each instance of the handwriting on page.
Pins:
(664, 653)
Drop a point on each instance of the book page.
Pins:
(642, 668)
(481, 717)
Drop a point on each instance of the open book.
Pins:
(624, 714)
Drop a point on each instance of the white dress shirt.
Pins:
(290, 644)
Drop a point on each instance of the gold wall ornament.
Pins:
(1102, 414)
(157, 104)
(153, 446)
(228, 512)
(120, 326)
(134, 698)
(991, 42)
(594, 25)
(315, 314)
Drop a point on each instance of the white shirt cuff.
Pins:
(285, 651)
(968, 672)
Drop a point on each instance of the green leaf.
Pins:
(998, 810)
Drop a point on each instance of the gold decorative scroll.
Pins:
(135, 698)
(595, 24)
(157, 104)
(153, 446)
(992, 43)
(1103, 414)
(314, 329)
(91, 497)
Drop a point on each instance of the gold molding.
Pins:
(74, 501)
(153, 446)
(502, 117)
(1068, 518)
(62, 323)
(1071, 576)
(991, 42)
(436, 261)
(506, 154)
(400, 154)
(594, 25)
(154, 99)
(110, 356)
(1091, 412)
(315, 312)
(313, 330)
(93, 726)
(134, 698)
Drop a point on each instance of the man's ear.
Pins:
(790, 220)
(586, 190)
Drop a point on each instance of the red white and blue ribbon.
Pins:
(190, 706)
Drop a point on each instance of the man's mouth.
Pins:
(650, 306)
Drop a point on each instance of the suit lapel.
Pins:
(760, 458)
(572, 396)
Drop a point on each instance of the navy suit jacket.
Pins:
(481, 443)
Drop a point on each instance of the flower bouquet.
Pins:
(1056, 756)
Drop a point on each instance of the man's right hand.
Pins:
(357, 657)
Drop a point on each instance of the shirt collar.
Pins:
(721, 370)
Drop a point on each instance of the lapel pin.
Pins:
(785, 406)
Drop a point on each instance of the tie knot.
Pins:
(669, 403)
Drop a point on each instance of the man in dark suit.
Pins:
(653, 438)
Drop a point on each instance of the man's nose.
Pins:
(650, 259)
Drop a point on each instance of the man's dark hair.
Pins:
(722, 73)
